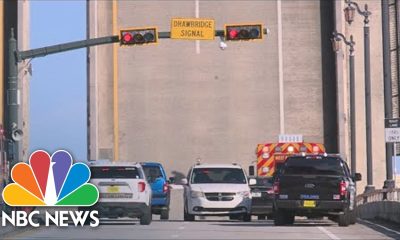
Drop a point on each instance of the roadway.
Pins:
(216, 228)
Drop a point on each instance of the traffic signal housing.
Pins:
(138, 36)
(243, 32)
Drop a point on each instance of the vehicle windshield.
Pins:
(114, 172)
(314, 166)
(267, 182)
(152, 173)
(218, 175)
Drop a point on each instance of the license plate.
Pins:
(256, 194)
(308, 203)
(113, 189)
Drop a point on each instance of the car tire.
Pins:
(353, 217)
(290, 218)
(146, 218)
(261, 217)
(164, 215)
(280, 218)
(344, 218)
(186, 216)
(246, 217)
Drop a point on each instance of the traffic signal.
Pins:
(237, 32)
(138, 36)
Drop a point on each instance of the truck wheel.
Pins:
(146, 218)
(247, 217)
(290, 218)
(353, 217)
(261, 217)
(280, 218)
(164, 215)
(344, 218)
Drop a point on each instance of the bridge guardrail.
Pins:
(379, 195)
(382, 203)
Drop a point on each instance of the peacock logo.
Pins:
(50, 181)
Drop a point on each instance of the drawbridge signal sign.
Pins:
(192, 28)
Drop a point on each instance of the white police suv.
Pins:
(124, 190)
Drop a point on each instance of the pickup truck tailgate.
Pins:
(316, 187)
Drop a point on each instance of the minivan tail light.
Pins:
(343, 188)
(276, 187)
(165, 188)
(141, 186)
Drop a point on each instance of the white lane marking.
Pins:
(197, 11)
(386, 228)
(181, 227)
(330, 235)
(175, 236)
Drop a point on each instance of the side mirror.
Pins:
(171, 180)
(184, 181)
(357, 177)
(251, 171)
(252, 182)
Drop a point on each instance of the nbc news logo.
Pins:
(50, 182)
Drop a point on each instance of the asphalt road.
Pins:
(213, 229)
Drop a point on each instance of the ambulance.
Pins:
(271, 156)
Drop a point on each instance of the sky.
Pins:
(58, 83)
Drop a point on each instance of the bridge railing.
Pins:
(383, 204)
(379, 195)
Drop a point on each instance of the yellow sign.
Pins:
(308, 203)
(192, 28)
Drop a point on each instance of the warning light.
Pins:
(237, 32)
(315, 149)
(291, 149)
(138, 36)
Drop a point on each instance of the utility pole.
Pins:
(13, 131)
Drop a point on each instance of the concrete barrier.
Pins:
(386, 210)
(382, 204)
(176, 203)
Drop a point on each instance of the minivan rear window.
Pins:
(115, 172)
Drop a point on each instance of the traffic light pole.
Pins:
(12, 100)
(13, 130)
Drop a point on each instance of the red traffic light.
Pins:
(243, 32)
(127, 37)
(233, 34)
(138, 36)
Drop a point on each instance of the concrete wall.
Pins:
(178, 102)
(386, 210)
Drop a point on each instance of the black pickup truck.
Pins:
(315, 186)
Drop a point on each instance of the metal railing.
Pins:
(379, 195)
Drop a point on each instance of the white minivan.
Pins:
(217, 190)
(124, 190)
